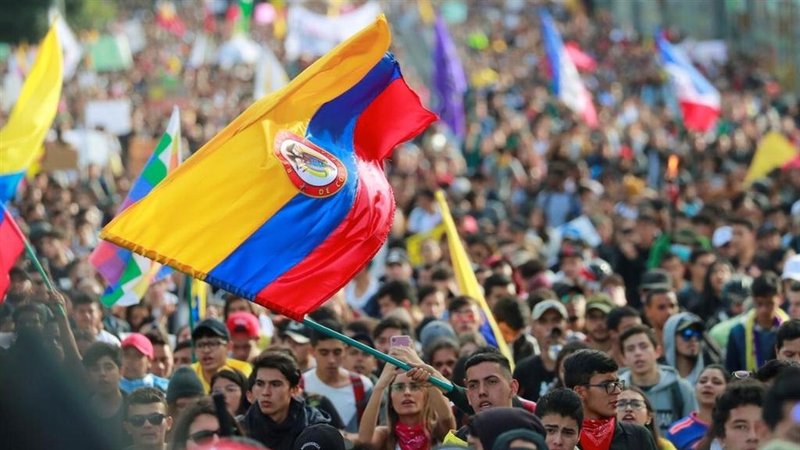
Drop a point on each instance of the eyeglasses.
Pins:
(691, 333)
(413, 387)
(609, 386)
(742, 374)
(154, 419)
(203, 436)
(209, 345)
(632, 404)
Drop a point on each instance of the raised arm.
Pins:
(57, 304)
(368, 430)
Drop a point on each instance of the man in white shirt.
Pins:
(348, 391)
(88, 315)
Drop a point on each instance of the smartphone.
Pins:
(401, 341)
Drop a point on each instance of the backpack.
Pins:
(358, 393)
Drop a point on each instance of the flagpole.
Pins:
(31, 253)
(446, 386)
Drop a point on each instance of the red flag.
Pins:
(583, 62)
(11, 246)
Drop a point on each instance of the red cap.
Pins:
(139, 342)
(243, 323)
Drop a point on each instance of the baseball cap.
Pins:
(139, 342)
(547, 305)
(319, 437)
(690, 321)
(364, 339)
(791, 269)
(600, 302)
(396, 256)
(243, 323)
(298, 332)
(434, 330)
(656, 279)
(722, 236)
(211, 327)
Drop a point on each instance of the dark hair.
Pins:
(512, 312)
(283, 363)
(615, 316)
(774, 368)
(583, 364)
(157, 337)
(441, 273)
(747, 223)
(491, 355)
(37, 308)
(698, 253)
(568, 349)
(182, 345)
(84, 298)
(785, 389)
(652, 427)
(648, 296)
(99, 350)
(229, 299)
(239, 379)
(203, 405)
(317, 336)
(459, 302)
(425, 290)
(789, 331)
(564, 402)
(740, 393)
(638, 329)
(766, 285)
(397, 292)
(360, 326)
(493, 281)
(391, 322)
(633, 331)
(439, 344)
(144, 396)
(539, 295)
(725, 374)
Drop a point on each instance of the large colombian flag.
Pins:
(288, 202)
(12, 242)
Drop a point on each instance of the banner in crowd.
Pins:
(566, 81)
(12, 243)
(269, 76)
(316, 34)
(289, 201)
(466, 279)
(698, 99)
(772, 153)
(128, 274)
(110, 53)
(113, 115)
(22, 137)
(449, 80)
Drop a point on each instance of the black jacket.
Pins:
(281, 436)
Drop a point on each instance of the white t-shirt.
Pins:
(343, 398)
(108, 338)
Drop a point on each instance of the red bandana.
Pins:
(411, 437)
(597, 434)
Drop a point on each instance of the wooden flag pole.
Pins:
(444, 385)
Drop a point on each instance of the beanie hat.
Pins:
(319, 437)
(184, 383)
(488, 425)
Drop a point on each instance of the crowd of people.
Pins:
(671, 322)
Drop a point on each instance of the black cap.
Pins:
(319, 437)
(396, 256)
(656, 280)
(364, 339)
(210, 327)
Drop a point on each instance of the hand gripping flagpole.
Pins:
(444, 385)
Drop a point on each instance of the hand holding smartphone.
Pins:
(401, 341)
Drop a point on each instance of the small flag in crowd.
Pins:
(128, 274)
(773, 152)
(567, 83)
(198, 299)
(449, 80)
(289, 201)
(269, 76)
(698, 99)
(466, 279)
(22, 137)
(12, 243)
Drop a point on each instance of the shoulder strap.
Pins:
(677, 398)
(358, 393)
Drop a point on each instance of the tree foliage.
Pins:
(23, 21)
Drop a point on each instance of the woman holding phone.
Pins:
(419, 414)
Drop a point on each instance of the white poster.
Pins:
(316, 34)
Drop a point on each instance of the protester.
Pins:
(634, 406)
(561, 413)
(102, 362)
(211, 341)
(736, 419)
(184, 387)
(146, 419)
(234, 386)
(137, 357)
(199, 426)
(711, 383)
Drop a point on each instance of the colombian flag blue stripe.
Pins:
(308, 220)
(9, 183)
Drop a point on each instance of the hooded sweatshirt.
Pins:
(281, 436)
(709, 353)
(672, 397)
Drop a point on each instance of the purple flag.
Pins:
(449, 80)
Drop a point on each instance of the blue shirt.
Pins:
(127, 386)
(687, 432)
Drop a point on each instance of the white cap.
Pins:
(791, 269)
(722, 236)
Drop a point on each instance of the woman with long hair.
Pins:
(712, 308)
(736, 418)
(634, 406)
(418, 414)
(711, 383)
(199, 425)
(233, 385)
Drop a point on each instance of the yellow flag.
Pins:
(465, 276)
(199, 299)
(22, 136)
(773, 151)
(426, 11)
(414, 243)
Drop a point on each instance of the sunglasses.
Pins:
(154, 419)
(203, 436)
(688, 334)
(742, 374)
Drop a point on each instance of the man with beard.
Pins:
(597, 308)
(686, 347)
